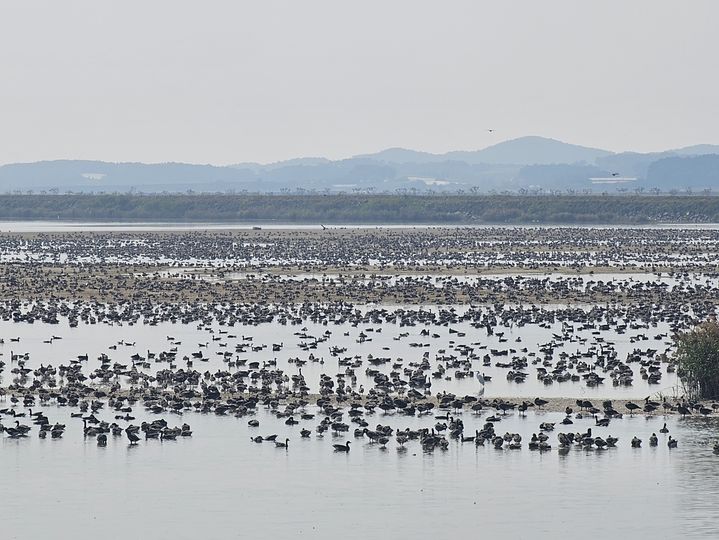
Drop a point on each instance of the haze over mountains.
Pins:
(527, 164)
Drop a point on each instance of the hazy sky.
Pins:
(229, 81)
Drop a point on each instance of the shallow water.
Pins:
(219, 484)
(393, 341)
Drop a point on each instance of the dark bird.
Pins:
(540, 402)
(632, 407)
(132, 436)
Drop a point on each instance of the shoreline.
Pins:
(553, 405)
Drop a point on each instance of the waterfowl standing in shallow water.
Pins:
(132, 436)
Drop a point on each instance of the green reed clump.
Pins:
(697, 359)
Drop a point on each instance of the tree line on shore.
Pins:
(364, 208)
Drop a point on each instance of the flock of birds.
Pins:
(166, 279)
(337, 421)
(449, 248)
(92, 425)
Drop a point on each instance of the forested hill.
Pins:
(527, 164)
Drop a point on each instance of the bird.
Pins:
(671, 443)
(280, 444)
(683, 410)
(342, 447)
(481, 379)
(540, 402)
(632, 407)
(132, 436)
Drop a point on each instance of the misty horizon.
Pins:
(449, 154)
(234, 82)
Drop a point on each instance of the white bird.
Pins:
(480, 378)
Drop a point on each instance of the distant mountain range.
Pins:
(527, 164)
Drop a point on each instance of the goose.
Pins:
(21, 427)
(664, 429)
(15, 433)
(601, 422)
(671, 443)
(632, 407)
(636, 442)
(653, 440)
(534, 442)
(280, 444)
(132, 436)
(342, 447)
(684, 410)
(540, 402)
(168, 434)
